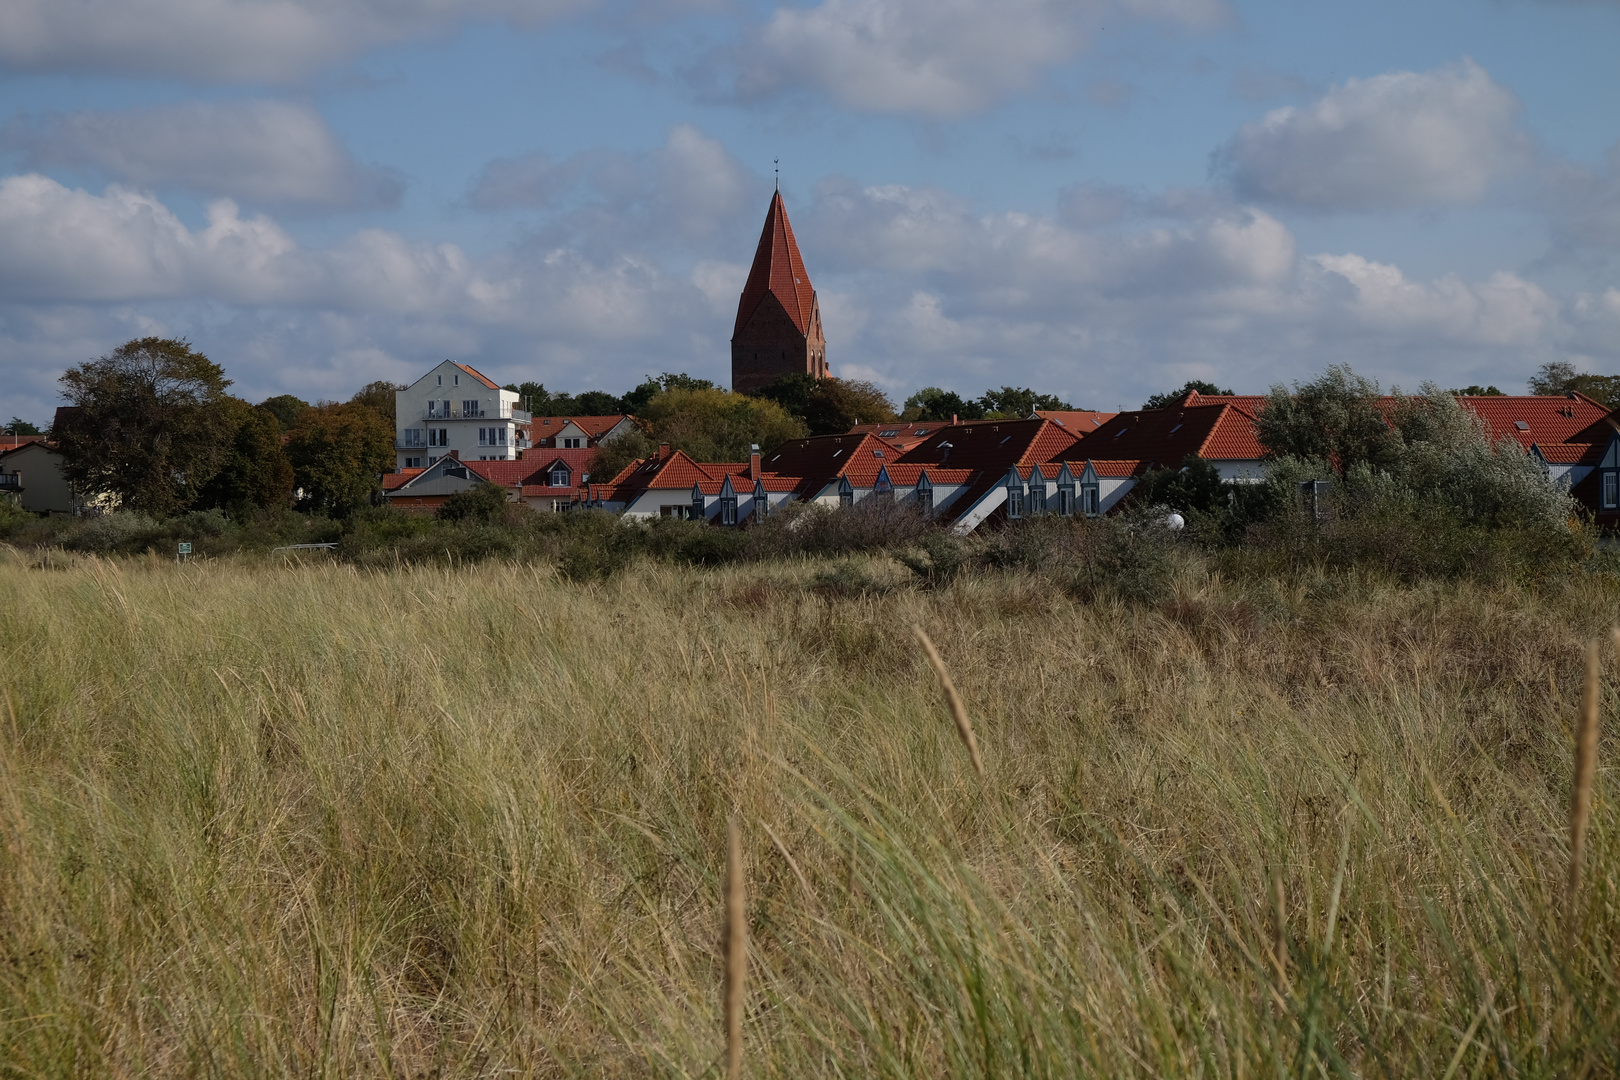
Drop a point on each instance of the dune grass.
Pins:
(320, 821)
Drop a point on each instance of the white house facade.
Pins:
(454, 411)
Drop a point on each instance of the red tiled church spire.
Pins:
(778, 329)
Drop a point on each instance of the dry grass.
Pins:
(317, 821)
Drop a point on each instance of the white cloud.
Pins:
(917, 287)
(262, 151)
(937, 57)
(1404, 139)
(232, 40)
(691, 190)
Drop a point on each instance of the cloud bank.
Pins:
(1394, 141)
(259, 151)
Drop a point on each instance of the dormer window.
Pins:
(561, 476)
(846, 492)
(1037, 491)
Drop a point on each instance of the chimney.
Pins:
(953, 419)
(455, 454)
(753, 462)
(663, 451)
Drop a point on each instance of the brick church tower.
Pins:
(778, 320)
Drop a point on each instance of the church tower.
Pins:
(778, 320)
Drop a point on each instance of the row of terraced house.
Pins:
(968, 473)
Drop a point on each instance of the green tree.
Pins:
(1477, 391)
(716, 425)
(379, 398)
(1559, 377)
(612, 455)
(532, 397)
(1334, 418)
(19, 426)
(255, 473)
(145, 424)
(338, 454)
(482, 502)
(1194, 485)
(287, 410)
(1016, 402)
(830, 406)
(1162, 401)
(936, 405)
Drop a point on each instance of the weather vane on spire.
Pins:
(778, 163)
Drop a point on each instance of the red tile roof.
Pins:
(898, 433)
(1108, 467)
(477, 375)
(989, 448)
(546, 427)
(1571, 453)
(779, 270)
(13, 442)
(1076, 421)
(393, 480)
(1249, 403)
(1170, 435)
(1544, 420)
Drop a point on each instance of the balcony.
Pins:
(481, 414)
(10, 481)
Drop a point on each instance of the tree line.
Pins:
(153, 424)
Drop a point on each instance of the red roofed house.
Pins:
(578, 432)
(778, 330)
(544, 480)
(455, 411)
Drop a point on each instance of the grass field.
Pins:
(317, 821)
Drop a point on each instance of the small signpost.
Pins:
(183, 553)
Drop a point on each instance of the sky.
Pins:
(1099, 199)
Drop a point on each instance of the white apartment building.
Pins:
(453, 411)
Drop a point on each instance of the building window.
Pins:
(560, 476)
(573, 444)
(413, 463)
(470, 409)
(1037, 494)
(1065, 500)
(846, 493)
(484, 438)
(728, 509)
(762, 502)
(679, 511)
(1089, 500)
(697, 504)
(1015, 501)
(1611, 490)
(456, 379)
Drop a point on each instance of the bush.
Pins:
(485, 501)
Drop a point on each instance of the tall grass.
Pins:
(321, 821)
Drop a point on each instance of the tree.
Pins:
(936, 405)
(19, 426)
(532, 397)
(1559, 377)
(255, 473)
(482, 502)
(145, 424)
(1163, 401)
(1334, 418)
(287, 410)
(716, 425)
(1477, 391)
(830, 406)
(338, 452)
(379, 398)
(1195, 485)
(1016, 402)
(612, 455)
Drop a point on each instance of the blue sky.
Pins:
(1099, 198)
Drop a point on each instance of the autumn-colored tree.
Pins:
(286, 408)
(378, 397)
(830, 406)
(338, 454)
(714, 425)
(145, 424)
